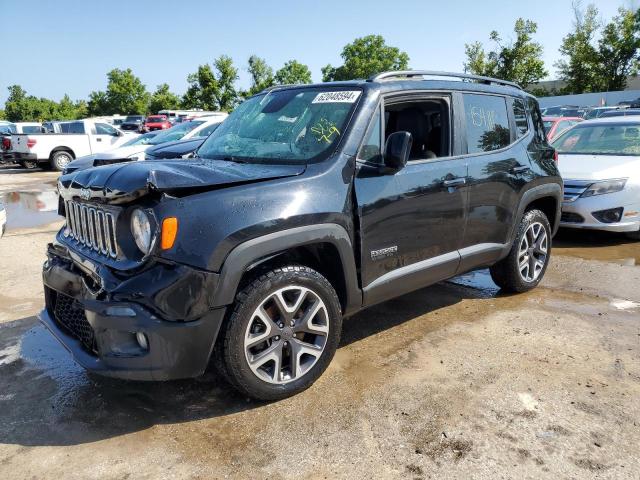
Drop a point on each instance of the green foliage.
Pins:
(163, 99)
(619, 49)
(21, 107)
(364, 57)
(579, 66)
(590, 67)
(293, 73)
(125, 94)
(518, 61)
(210, 91)
(261, 75)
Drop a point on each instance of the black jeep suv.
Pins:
(308, 204)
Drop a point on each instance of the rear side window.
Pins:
(520, 117)
(487, 122)
(73, 127)
(538, 125)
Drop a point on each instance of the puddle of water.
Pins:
(479, 280)
(28, 209)
(595, 245)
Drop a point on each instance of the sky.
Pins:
(67, 46)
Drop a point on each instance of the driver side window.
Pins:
(105, 129)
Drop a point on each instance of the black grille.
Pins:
(570, 217)
(69, 313)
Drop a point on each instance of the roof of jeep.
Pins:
(413, 84)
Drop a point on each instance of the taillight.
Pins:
(555, 156)
(31, 142)
(6, 143)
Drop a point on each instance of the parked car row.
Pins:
(136, 149)
(589, 113)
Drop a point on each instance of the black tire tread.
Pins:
(224, 362)
(505, 273)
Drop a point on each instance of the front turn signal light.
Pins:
(169, 232)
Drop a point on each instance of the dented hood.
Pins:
(123, 183)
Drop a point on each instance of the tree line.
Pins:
(595, 56)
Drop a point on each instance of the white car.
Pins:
(134, 149)
(600, 163)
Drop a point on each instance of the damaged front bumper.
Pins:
(155, 324)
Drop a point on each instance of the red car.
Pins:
(156, 122)
(554, 126)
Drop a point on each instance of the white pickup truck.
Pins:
(76, 139)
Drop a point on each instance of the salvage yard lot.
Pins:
(452, 381)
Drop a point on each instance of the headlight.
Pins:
(141, 230)
(608, 186)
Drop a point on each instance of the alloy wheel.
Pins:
(286, 334)
(533, 252)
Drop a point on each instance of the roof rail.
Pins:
(431, 73)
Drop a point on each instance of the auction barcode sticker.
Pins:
(347, 96)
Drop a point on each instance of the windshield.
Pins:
(156, 119)
(607, 139)
(134, 118)
(174, 133)
(288, 126)
(139, 140)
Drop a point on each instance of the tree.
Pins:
(227, 76)
(619, 49)
(15, 106)
(98, 104)
(293, 73)
(517, 61)
(364, 57)
(261, 75)
(579, 67)
(163, 99)
(211, 92)
(126, 94)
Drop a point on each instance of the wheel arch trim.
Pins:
(247, 253)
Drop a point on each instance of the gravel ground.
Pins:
(452, 381)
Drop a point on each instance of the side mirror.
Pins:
(397, 150)
(119, 133)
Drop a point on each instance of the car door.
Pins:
(411, 221)
(105, 138)
(499, 167)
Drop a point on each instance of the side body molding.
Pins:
(246, 254)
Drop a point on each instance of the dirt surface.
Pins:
(453, 381)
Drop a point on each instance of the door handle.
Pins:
(454, 182)
(98, 139)
(520, 169)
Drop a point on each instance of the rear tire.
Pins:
(281, 335)
(29, 164)
(60, 159)
(527, 262)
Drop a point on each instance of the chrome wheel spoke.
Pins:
(286, 335)
(532, 252)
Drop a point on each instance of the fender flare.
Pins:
(532, 194)
(246, 254)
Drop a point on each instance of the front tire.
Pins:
(29, 164)
(282, 333)
(60, 159)
(527, 262)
